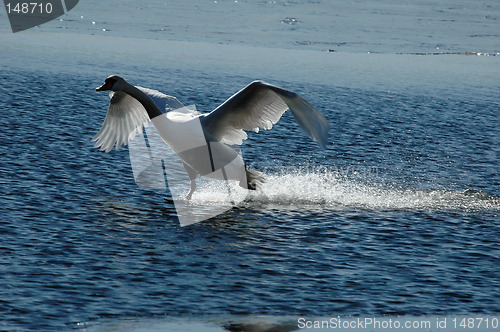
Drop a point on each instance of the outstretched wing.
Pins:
(126, 116)
(163, 101)
(259, 106)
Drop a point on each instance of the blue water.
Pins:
(399, 216)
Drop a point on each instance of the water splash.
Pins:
(333, 190)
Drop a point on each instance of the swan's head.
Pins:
(112, 83)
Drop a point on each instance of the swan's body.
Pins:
(202, 140)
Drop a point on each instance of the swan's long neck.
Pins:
(144, 99)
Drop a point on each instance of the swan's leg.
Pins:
(192, 176)
(193, 188)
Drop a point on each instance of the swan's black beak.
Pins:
(106, 86)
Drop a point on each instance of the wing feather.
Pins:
(259, 106)
(163, 101)
(126, 116)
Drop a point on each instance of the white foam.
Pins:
(332, 190)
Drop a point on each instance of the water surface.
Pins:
(398, 216)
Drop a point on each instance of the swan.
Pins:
(205, 142)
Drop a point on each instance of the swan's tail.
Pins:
(254, 179)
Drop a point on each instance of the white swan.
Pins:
(202, 140)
